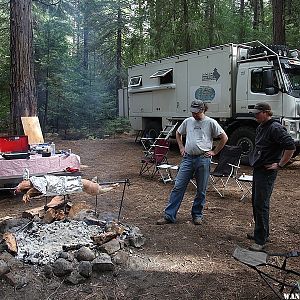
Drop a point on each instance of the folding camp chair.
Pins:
(226, 169)
(272, 268)
(153, 159)
(246, 184)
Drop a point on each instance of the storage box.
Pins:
(10, 144)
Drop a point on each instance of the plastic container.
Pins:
(52, 147)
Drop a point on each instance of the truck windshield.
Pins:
(292, 71)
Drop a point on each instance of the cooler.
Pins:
(9, 144)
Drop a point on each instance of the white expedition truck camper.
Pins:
(230, 78)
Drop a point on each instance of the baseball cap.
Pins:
(261, 106)
(196, 106)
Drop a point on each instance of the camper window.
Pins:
(165, 76)
(135, 81)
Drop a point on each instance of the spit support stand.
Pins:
(126, 182)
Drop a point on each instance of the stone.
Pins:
(102, 263)
(4, 268)
(137, 240)
(15, 280)
(121, 257)
(110, 247)
(75, 278)
(62, 267)
(85, 269)
(67, 256)
(85, 253)
(48, 272)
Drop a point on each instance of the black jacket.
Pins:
(270, 141)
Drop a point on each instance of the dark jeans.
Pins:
(263, 183)
(198, 166)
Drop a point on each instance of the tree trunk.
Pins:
(186, 29)
(210, 20)
(242, 20)
(119, 58)
(278, 22)
(255, 14)
(23, 88)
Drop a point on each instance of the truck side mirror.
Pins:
(270, 91)
(268, 78)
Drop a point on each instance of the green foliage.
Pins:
(117, 125)
(78, 50)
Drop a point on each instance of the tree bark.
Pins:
(242, 19)
(278, 22)
(119, 58)
(23, 87)
(186, 29)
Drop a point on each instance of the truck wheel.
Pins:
(244, 137)
(152, 130)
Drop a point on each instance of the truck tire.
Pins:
(244, 137)
(152, 130)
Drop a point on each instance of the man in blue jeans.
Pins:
(200, 130)
(274, 147)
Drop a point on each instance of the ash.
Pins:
(43, 242)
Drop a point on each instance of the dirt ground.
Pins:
(178, 261)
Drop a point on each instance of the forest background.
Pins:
(80, 51)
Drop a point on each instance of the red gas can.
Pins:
(10, 144)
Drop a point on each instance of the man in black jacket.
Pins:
(274, 147)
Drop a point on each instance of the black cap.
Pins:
(261, 106)
(196, 106)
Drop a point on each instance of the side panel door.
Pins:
(181, 81)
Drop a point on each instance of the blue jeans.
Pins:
(190, 166)
(263, 183)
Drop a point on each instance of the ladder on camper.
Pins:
(149, 143)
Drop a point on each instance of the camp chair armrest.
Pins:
(146, 139)
(163, 147)
(234, 166)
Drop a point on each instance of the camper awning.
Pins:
(161, 73)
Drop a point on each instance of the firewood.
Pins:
(11, 242)
(104, 237)
(30, 213)
(55, 202)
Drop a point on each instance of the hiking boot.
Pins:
(257, 247)
(197, 221)
(163, 221)
(250, 236)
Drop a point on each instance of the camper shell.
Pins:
(230, 79)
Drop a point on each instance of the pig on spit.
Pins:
(50, 185)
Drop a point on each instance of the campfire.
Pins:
(67, 239)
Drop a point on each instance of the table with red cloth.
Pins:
(37, 165)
